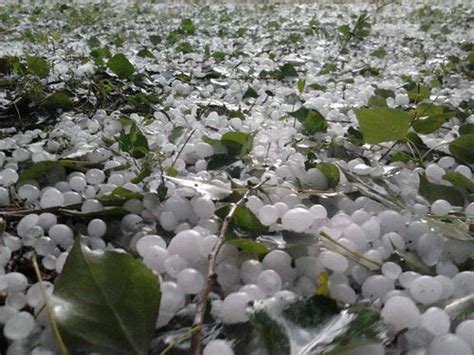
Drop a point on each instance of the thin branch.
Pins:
(182, 147)
(394, 144)
(52, 321)
(17, 213)
(196, 339)
(178, 341)
(357, 255)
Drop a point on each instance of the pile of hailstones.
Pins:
(363, 226)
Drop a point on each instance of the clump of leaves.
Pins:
(236, 145)
(134, 142)
(312, 120)
(121, 66)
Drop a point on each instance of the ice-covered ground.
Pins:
(139, 129)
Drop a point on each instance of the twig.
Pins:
(56, 209)
(182, 147)
(178, 341)
(19, 114)
(52, 321)
(196, 339)
(394, 144)
(357, 255)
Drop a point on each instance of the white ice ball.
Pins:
(268, 215)
(19, 326)
(440, 207)
(435, 320)
(218, 347)
(465, 330)
(426, 290)
(190, 280)
(234, 308)
(297, 219)
(401, 312)
(449, 344)
(51, 197)
(333, 261)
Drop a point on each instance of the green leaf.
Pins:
(467, 128)
(56, 36)
(300, 114)
(171, 171)
(249, 245)
(99, 54)
(155, 39)
(315, 122)
(433, 192)
(187, 26)
(145, 53)
(331, 171)
(316, 86)
(38, 169)
(176, 133)
(427, 125)
(243, 218)
(385, 93)
(120, 65)
(58, 100)
(218, 161)
(401, 156)
(106, 302)
(462, 148)
(134, 142)
(185, 47)
(429, 117)
(379, 125)
(218, 56)
(144, 173)
(470, 58)
(93, 42)
(379, 52)
(355, 136)
(459, 180)
(121, 194)
(288, 70)
(37, 66)
(236, 114)
(5, 65)
(237, 143)
(327, 328)
(301, 85)
(162, 192)
(377, 101)
(419, 93)
(250, 92)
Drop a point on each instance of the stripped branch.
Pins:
(196, 339)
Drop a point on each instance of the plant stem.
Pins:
(182, 147)
(357, 255)
(394, 144)
(17, 213)
(179, 341)
(196, 339)
(52, 321)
